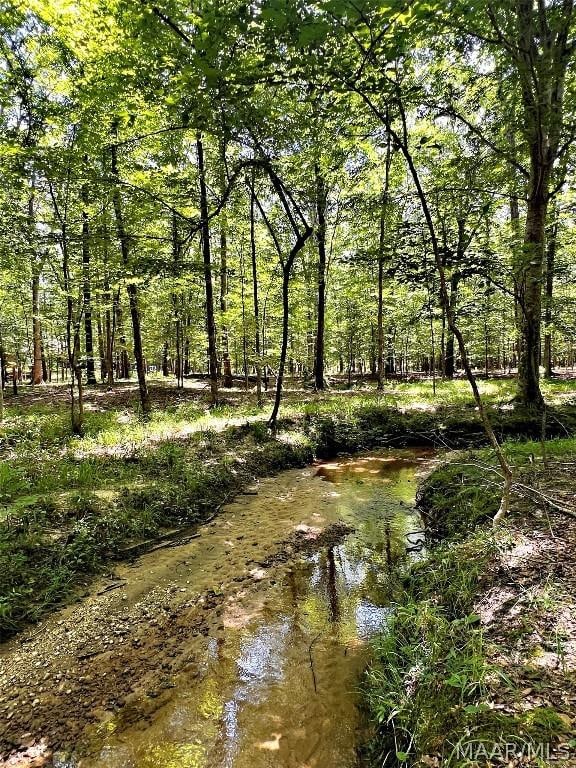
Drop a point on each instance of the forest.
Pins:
(288, 388)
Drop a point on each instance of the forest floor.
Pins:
(71, 507)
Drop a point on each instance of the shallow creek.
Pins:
(275, 674)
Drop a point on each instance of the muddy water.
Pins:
(274, 680)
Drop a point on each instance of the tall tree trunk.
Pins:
(90, 368)
(37, 372)
(110, 334)
(110, 304)
(124, 363)
(2, 377)
(177, 304)
(72, 340)
(3, 364)
(101, 347)
(516, 245)
(206, 256)
(165, 368)
(381, 368)
(284, 345)
(542, 54)
(286, 272)
(132, 290)
(550, 259)
(449, 358)
(529, 281)
(227, 370)
(257, 363)
(244, 336)
(321, 203)
(507, 476)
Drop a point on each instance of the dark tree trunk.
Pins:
(449, 357)
(227, 370)
(101, 346)
(90, 368)
(110, 311)
(165, 368)
(206, 256)
(380, 367)
(37, 372)
(132, 290)
(550, 258)
(177, 304)
(256, 304)
(321, 203)
(123, 366)
(529, 282)
(541, 55)
(286, 272)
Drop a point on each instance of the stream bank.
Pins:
(478, 663)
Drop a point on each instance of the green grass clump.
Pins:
(426, 684)
(458, 496)
(429, 689)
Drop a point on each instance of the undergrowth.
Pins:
(429, 691)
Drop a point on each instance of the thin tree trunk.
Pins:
(72, 340)
(90, 368)
(286, 272)
(449, 358)
(177, 304)
(206, 256)
(507, 475)
(2, 393)
(244, 338)
(381, 368)
(132, 290)
(37, 373)
(321, 203)
(227, 371)
(550, 258)
(110, 312)
(101, 347)
(516, 248)
(257, 363)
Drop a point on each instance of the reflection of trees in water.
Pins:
(298, 581)
(332, 587)
(379, 541)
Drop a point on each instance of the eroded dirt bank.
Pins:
(102, 682)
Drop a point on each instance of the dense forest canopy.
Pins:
(279, 188)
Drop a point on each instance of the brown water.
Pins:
(274, 680)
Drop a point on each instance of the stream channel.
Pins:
(275, 674)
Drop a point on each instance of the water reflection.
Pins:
(280, 689)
